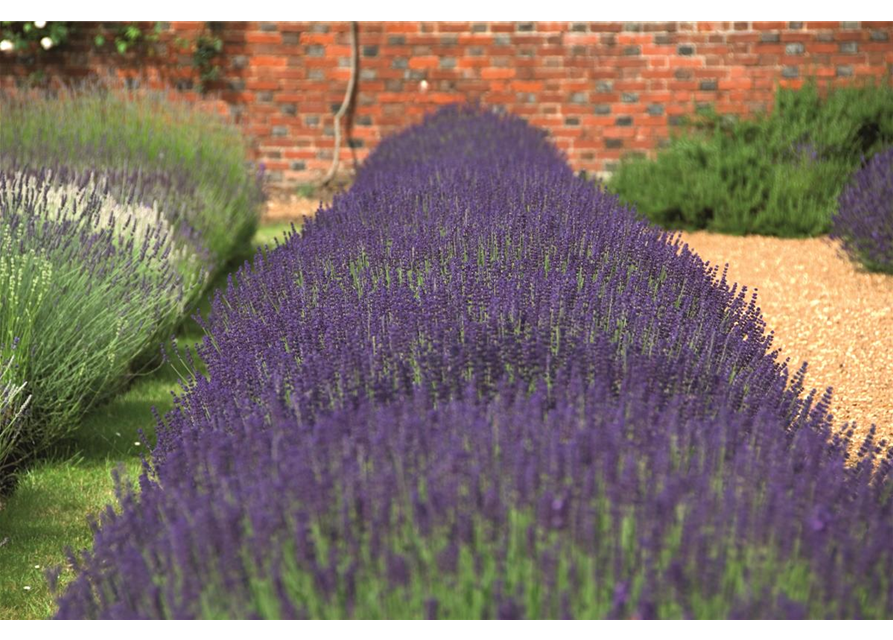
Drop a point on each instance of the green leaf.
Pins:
(121, 46)
(99, 40)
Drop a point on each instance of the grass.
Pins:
(55, 499)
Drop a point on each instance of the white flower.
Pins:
(6, 45)
(41, 24)
(423, 86)
(27, 588)
(46, 42)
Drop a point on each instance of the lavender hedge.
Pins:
(87, 284)
(864, 221)
(13, 402)
(477, 386)
(143, 135)
(115, 209)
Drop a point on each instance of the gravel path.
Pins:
(823, 310)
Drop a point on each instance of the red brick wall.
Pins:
(601, 89)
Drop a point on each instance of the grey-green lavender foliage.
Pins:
(778, 174)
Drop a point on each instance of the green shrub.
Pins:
(778, 174)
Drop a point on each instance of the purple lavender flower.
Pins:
(479, 381)
(864, 221)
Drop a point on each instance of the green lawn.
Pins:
(51, 507)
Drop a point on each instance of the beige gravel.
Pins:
(287, 208)
(824, 310)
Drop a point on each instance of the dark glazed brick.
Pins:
(268, 26)
(794, 48)
(356, 143)
(624, 121)
(632, 26)
(685, 50)
(280, 132)
(629, 98)
(676, 120)
(770, 37)
(236, 85)
(579, 27)
(447, 63)
(316, 50)
(708, 85)
(661, 38)
(850, 25)
(613, 143)
(880, 36)
(479, 27)
(525, 26)
(602, 109)
(399, 63)
(289, 109)
(844, 71)
(265, 96)
(632, 50)
(502, 40)
(240, 62)
(790, 72)
(795, 25)
(396, 40)
(298, 165)
(849, 47)
(572, 122)
(312, 121)
(684, 74)
(370, 50)
(364, 121)
(604, 86)
(578, 98)
(291, 38)
(655, 109)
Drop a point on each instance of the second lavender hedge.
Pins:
(476, 386)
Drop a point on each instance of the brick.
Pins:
(497, 74)
(602, 89)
